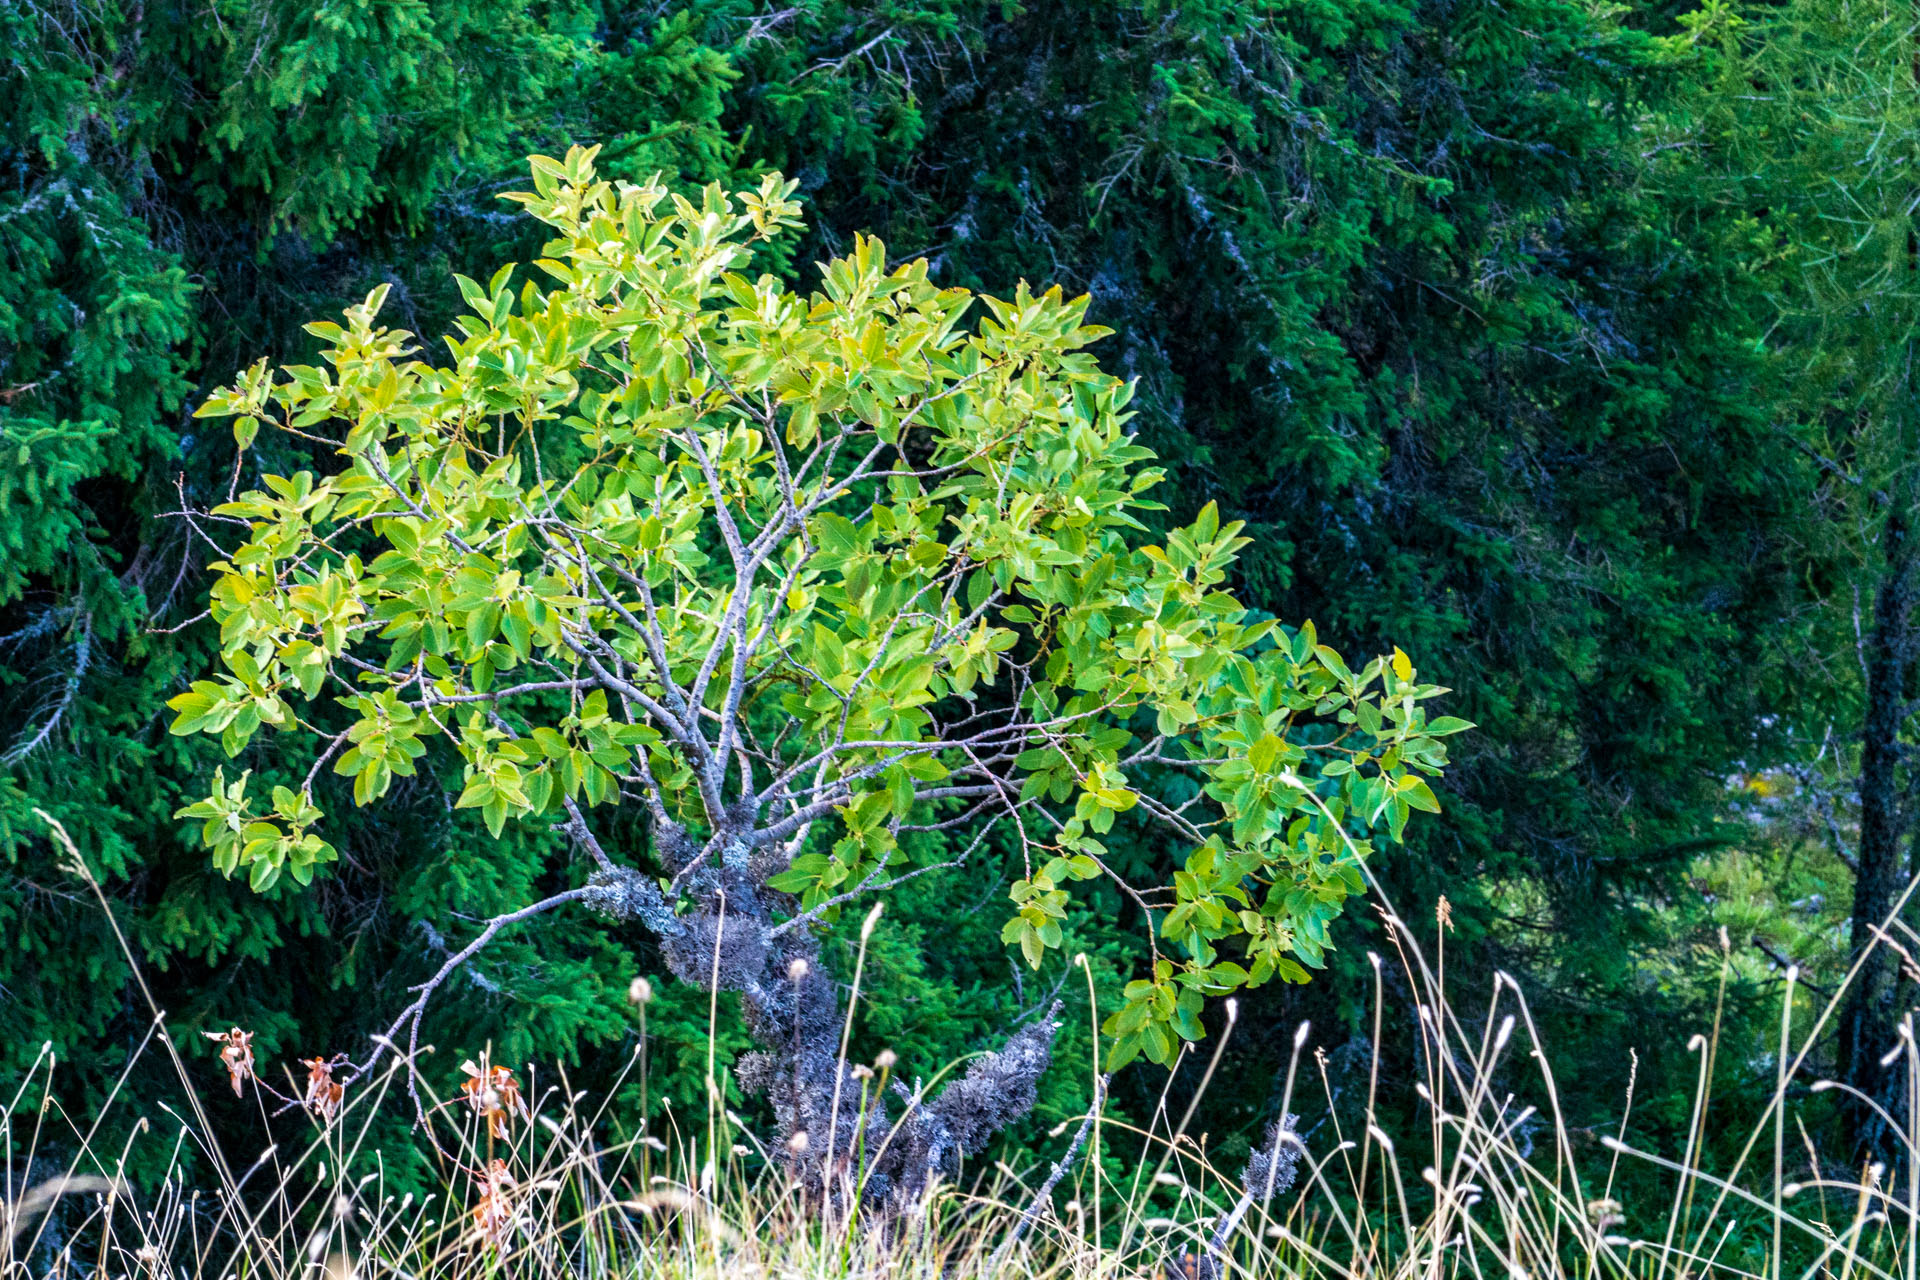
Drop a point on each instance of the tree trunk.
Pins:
(836, 1135)
(1869, 1013)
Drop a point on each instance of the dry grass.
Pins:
(1488, 1186)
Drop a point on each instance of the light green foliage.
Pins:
(664, 531)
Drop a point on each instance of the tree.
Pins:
(796, 576)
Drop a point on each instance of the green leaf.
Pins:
(1417, 794)
(792, 881)
(1031, 946)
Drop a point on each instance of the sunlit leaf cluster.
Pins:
(797, 574)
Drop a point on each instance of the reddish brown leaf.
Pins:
(236, 1054)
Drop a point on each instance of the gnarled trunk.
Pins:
(846, 1148)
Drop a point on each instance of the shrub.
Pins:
(797, 576)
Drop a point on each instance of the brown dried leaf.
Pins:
(236, 1054)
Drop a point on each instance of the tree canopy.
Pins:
(792, 573)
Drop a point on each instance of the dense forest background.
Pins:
(1568, 347)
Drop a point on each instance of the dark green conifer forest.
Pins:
(1568, 348)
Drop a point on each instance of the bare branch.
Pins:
(410, 1016)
